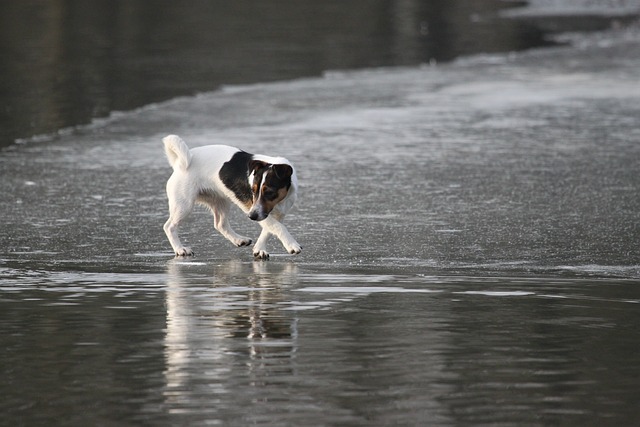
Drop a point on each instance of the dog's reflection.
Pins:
(225, 317)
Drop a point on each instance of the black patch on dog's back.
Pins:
(234, 174)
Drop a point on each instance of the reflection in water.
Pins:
(242, 343)
(213, 328)
(236, 348)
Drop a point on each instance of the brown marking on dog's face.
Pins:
(270, 197)
(270, 186)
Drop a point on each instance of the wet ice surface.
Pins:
(526, 163)
(470, 237)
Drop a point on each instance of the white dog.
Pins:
(263, 187)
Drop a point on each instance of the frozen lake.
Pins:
(470, 236)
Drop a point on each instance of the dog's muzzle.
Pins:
(256, 215)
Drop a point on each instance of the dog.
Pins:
(264, 187)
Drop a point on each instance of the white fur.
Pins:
(177, 152)
(196, 178)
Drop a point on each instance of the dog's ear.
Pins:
(283, 171)
(254, 165)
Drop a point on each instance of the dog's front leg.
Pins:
(260, 248)
(270, 226)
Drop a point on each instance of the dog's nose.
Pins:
(253, 215)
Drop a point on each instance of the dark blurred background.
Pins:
(64, 62)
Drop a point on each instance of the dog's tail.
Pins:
(177, 152)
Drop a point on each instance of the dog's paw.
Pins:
(243, 241)
(294, 249)
(261, 255)
(184, 252)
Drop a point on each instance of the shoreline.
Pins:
(101, 94)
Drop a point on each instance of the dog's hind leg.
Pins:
(220, 210)
(179, 208)
(171, 230)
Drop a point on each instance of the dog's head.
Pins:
(270, 184)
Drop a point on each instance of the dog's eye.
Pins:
(269, 194)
